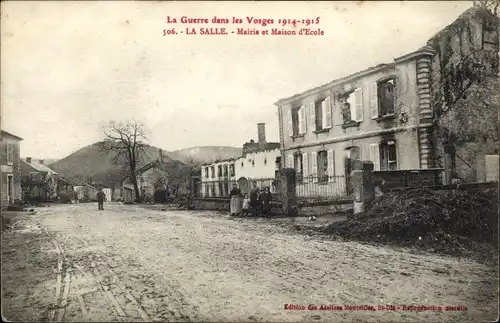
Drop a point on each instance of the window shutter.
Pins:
(314, 165)
(290, 123)
(323, 115)
(358, 99)
(305, 164)
(290, 161)
(375, 156)
(328, 113)
(302, 120)
(312, 114)
(331, 165)
(373, 100)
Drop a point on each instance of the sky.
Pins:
(68, 68)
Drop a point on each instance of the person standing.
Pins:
(254, 199)
(100, 199)
(265, 199)
(235, 200)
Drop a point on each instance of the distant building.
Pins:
(10, 169)
(38, 180)
(257, 163)
(157, 180)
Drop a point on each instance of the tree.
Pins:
(491, 5)
(126, 140)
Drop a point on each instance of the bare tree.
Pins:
(126, 140)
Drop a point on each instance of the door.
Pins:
(10, 189)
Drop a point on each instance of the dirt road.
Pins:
(74, 263)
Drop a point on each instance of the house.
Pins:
(37, 180)
(157, 180)
(10, 171)
(257, 163)
(384, 114)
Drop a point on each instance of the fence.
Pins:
(222, 188)
(331, 187)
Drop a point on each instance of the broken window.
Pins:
(318, 113)
(219, 171)
(231, 169)
(295, 121)
(352, 106)
(213, 171)
(386, 97)
(226, 172)
(207, 174)
(388, 155)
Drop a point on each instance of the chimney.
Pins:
(261, 131)
(41, 161)
(28, 160)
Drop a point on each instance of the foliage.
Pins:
(41, 181)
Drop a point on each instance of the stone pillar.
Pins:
(288, 196)
(362, 182)
(423, 73)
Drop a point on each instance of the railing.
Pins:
(335, 186)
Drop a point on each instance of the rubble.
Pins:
(453, 222)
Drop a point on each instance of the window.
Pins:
(219, 171)
(321, 114)
(213, 189)
(213, 171)
(253, 163)
(297, 121)
(383, 98)
(226, 170)
(265, 161)
(241, 164)
(322, 166)
(207, 174)
(352, 107)
(10, 154)
(384, 155)
(298, 165)
(318, 115)
(231, 169)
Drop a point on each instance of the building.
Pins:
(37, 180)
(157, 180)
(257, 163)
(384, 114)
(10, 169)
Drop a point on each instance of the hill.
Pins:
(90, 163)
(205, 154)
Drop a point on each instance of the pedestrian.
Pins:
(235, 200)
(265, 199)
(254, 199)
(100, 199)
(246, 205)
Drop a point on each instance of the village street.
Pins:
(133, 264)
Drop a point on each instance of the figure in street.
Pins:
(254, 199)
(100, 199)
(265, 199)
(235, 200)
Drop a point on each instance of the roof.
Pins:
(426, 50)
(36, 165)
(165, 165)
(8, 134)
